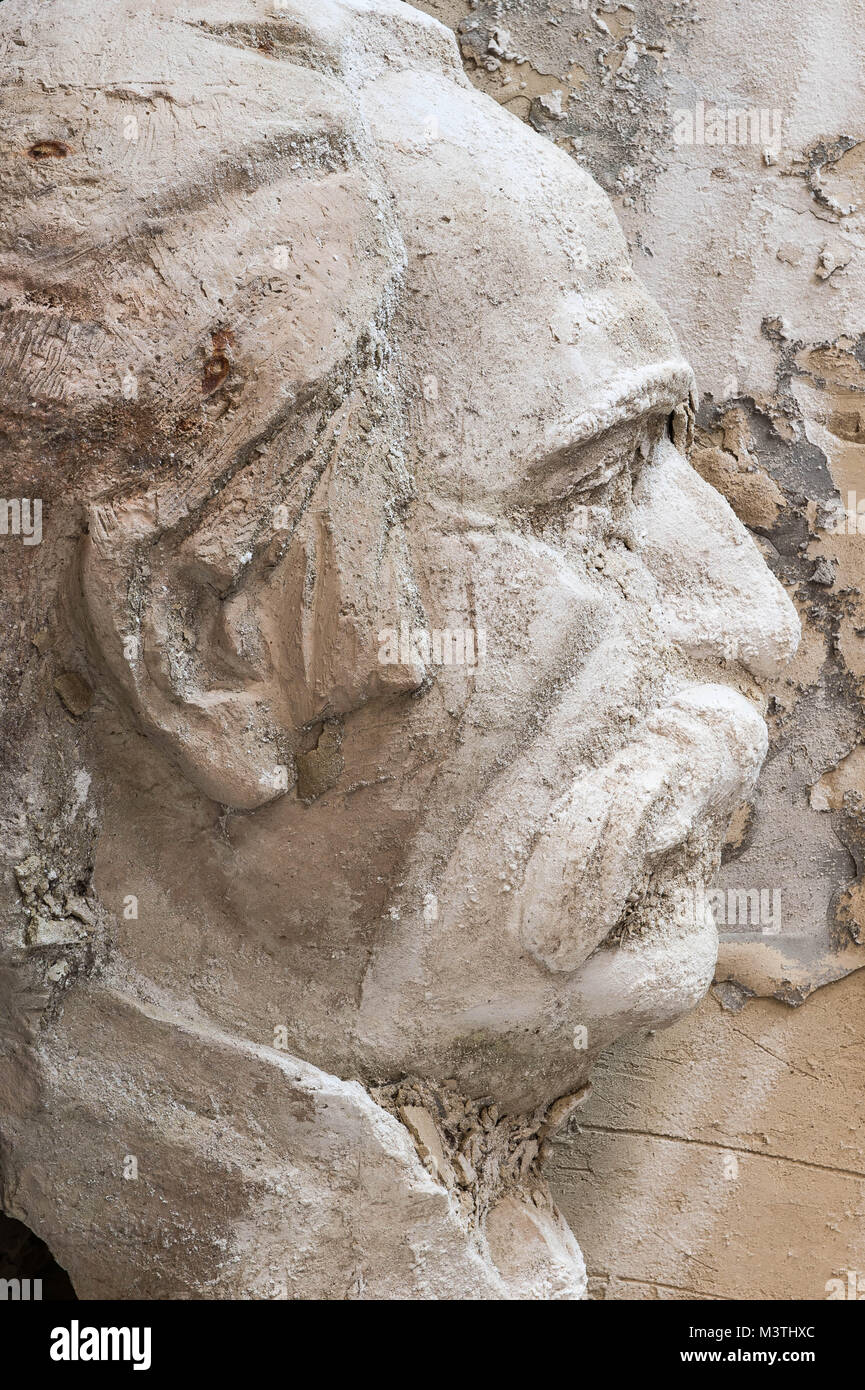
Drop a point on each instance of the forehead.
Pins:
(209, 196)
(522, 314)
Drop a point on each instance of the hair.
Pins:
(198, 270)
(156, 186)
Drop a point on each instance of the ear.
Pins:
(169, 640)
(226, 663)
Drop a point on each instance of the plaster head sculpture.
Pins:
(393, 675)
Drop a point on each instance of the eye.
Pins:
(596, 470)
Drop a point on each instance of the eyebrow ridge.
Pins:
(630, 396)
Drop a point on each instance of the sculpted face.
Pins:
(352, 360)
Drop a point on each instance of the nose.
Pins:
(717, 594)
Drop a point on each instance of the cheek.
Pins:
(533, 613)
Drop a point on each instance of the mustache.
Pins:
(692, 763)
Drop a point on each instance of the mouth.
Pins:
(663, 800)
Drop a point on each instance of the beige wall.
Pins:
(725, 1157)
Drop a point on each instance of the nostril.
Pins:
(48, 149)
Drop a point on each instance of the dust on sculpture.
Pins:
(307, 343)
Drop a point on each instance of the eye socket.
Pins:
(582, 472)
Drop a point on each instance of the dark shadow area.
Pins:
(24, 1256)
